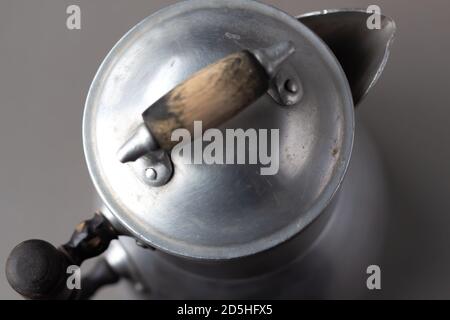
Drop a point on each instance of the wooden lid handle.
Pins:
(213, 95)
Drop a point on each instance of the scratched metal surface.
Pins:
(46, 70)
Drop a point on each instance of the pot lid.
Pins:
(219, 211)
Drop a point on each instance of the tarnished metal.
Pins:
(220, 211)
(328, 259)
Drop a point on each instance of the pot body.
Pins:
(226, 232)
(328, 259)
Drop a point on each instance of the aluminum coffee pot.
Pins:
(236, 77)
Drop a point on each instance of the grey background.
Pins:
(46, 70)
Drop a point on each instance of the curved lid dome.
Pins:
(219, 211)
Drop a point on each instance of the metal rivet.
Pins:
(150, 174)
(291, 86)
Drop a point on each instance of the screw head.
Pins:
(151, 174)
(291, 86)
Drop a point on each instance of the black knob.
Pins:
(37, 270)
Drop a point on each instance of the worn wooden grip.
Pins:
(212, 95)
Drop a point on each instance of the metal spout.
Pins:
(362, 52)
